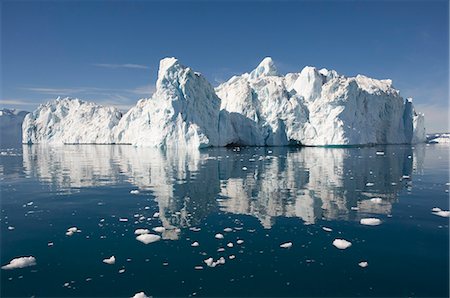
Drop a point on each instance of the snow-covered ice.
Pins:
(370, 221)
(286, 245)
(342, 243)
(148, 238)
(20, 262)
(159, 229)
(110, 261)
(140, 295)
(141, 231)
(218, 236)
(363, 264)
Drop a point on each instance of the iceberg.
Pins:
(262, 108)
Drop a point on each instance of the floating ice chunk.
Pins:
(72, 230)
(379, 153)
(342, 243)
(218, 236)
(122, 270)
(371, 221)
(20, 262)
(436, 209)
(195, 244)
(244, 168)
(159, 229)
(221, 261)
(148, 238)
(220, 249)
(232, 257)
(286, 245)
(240, 241)
(140, 295)
(123, 219)
(198, 267)
(195, 229)
(110, 261)
(326, 229)
(141, 231)
(363, 264)
(11, 228)
(228, 230)
(376, 200)
(50, 244)
(442, 213)
(134, 192)
(230, 244)
(210, 262)
(406, 177)
(369, 184)
(156, 214)
(354, 208)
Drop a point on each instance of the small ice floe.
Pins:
(123, 219)
(244, 168)
(141, 231)
(50, 244)
(122, 270)
(156, 214)
(363, 264)
(379, 153)
(72, 230)
(406, 177)
(159, 229)
(354, 208)
(221, 261)
(342, 243)
(230, 245)
(210, 262)
(286, 245)
(240, 241)
(220, 249)
(20, 262)
(370, 221)
(228, 230)
(326, 229)
(195, 229)
(195, 244)
(198, 267)
(232, 257)
(134, 192)
(140, 295)
(439, 212)
(148, 238)
(218, 236)
(376, 200)
(110, 261)
(11, 228)
(370, 184)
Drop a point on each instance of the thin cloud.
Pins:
(145, 90)
(126, 65)
(15, 102)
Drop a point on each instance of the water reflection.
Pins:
(308, 183)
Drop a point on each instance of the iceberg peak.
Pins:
(265, 68)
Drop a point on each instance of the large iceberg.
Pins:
(11, 127)
(261, 108)
(70, 121)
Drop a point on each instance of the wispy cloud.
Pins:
(15, 102)
(145, 90)
(126, 65)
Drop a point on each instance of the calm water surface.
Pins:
(266, 196)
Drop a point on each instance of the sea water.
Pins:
(289, 220)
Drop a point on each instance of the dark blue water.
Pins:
(267, 196)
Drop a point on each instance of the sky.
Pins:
(109, 51)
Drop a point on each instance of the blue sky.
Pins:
(108, 51)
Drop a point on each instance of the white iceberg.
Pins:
(148, 238)
(20, 262)
(140, 295)
(286, 245)
(370, 221)
(342, 243)
(110, 261)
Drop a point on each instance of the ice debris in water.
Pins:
(211, 263)
(148, 238)
(379, 153)
(363, 264)
(371, 221)
(286, 245)
(195, 244)
(72, 230)
(110, 261)
(228, 230)
(156, 214)
(11, 228)
(141, 231)
(230, 244)
(218, 236)
(134, 192)
(369, 184)
(159, 229)
(140, 295)
(440, 212)
(20, 262)
(240, 241)
(326, 229)
(342, 243)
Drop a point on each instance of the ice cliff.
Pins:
(11, 127)
(261, 108)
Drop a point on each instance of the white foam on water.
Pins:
(110, 261)
(286, 245)
(148, 238)
(20, 262)
(141, 231)
(342, 243)
(371, 221)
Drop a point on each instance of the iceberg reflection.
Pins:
(308, 183)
